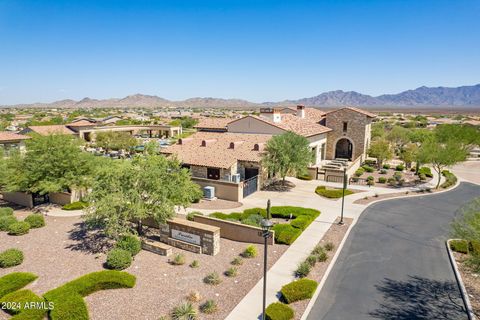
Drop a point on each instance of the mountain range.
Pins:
(464, 96)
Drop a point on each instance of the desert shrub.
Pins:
(311, 260)
(212, 279)
(370, 182)
(451, 179)
(209, 307)
(299, 290)
(131, 243)
(194, 296)
(119, 259)
(6, 211)
(400, 167)
(383, 171)
(185, 311)
(231, 272)
(474, 247)
(6, 221)
(78, 205)
(178, 259)
(322, 257)
(331, 193)
(195, 264)
(35, 220)
(459, 246)
(279, 311)
(190, 215)
(68, 299)
(301, 222)
(237, 261)
(10, 258)
(370, 162)
(329, 246)
(367, 168)
(473, 262)
(359, 172)
(303, 270)
(392, 182)
(285, 233)
(426, 171)
(18, 228)
(382, 180)
(422, 176)
(318, 249)
(253, 220)
(386, 166)
(370, 178)
(250, 252)
(15, 281)
(397, 176)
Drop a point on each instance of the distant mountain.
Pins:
(465, 96)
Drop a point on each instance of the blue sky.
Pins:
(259, 50)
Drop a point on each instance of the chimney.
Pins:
(301, 111)
(271, 114)
(277, 116)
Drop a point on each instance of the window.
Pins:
(345, 126)
(213, 173)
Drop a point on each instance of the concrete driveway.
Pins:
(468, 170)
(395, 265)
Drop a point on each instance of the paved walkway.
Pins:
(468, 171)
(395, 264)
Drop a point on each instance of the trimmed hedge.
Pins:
(35, 220)
(78, 205)
(6, 221)
(18, 228)
(10, 258)
(129, 243)
(68, 299)
(21, 298)
(331, 193)
(299, 290)
(459, 246)
(119, 259)
(15, 281)
(6, 211)
(279, 311)
(285, 233)
(367, 168)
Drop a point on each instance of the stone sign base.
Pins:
(156, 247)
(184, 245)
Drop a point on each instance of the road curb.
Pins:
(327, 272)
(458, 276)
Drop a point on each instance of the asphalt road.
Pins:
(394, 264)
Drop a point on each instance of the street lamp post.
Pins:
(343, 194)
(266, 225)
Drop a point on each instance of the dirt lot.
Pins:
(62, 251)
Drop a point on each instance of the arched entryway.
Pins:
(344, 149)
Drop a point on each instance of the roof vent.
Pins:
(235, 144)
(258, 146)
(208, 142)
(184, 140)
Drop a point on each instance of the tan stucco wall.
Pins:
(316, 143)
(20, 198)
(223, 189)
(61, 198)
(253, 125)
(234, 230)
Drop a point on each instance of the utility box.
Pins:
(209, 192)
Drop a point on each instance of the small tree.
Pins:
(381, 150)
(441, 155)
(399, 137)
(409, 154)
(115, 140)
(288, 153)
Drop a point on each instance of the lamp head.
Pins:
(266, 224)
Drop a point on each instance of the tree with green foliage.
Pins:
(378, 130)
(466, 135)
(51, 163)
(381, 150)
(288, 153)
(409, 154)
(148, 186)
(115, 140)
(398, 136)
(420, 135)
(441, 155)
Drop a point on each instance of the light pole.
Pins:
(343, 194)
(266, 225)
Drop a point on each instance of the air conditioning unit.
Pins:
(209, 192)
(236, 178)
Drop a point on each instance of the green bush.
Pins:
(451, 179)
(231, 272)
(79, 205)
(185, 311)
(18, 228)
(68, 299)
(318, 249)
(15, 281)
(10, 258)
(422, 177)
(130, 243)
(256, 211)
(286, 211)
(359, 172)
(311, 260)
(212, 279)
(253, 220)
(367, 168)
(285, 233)
(426, 171)
(474, 247)
(250, 252)
(303, 270)
(371, 162)
(6, 221)
(370, 182)
(329, 246)
(386, 166)
(392, 182)
(17, 300)
(190, 215)
(237, 261)
(383, 171)
(322, 257)
(279, 311)
(35, 220)
(209, 307)
(119, 259)
(304, 177)
(331, 193)
(299, 290)
(459, 246)
(400, 167)
(178, 259)
(301, 222)
(195, 264)
(382, 180)
(6, 211)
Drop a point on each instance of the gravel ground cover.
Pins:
(411, 179)
(63, 251)
(471, 280)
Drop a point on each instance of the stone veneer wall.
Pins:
(358, 125)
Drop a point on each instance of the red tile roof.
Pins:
(46, 130)
(213, 123)
(10, 136)
(368, 114)
(81, 123)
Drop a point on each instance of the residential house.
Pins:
(10, 140)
